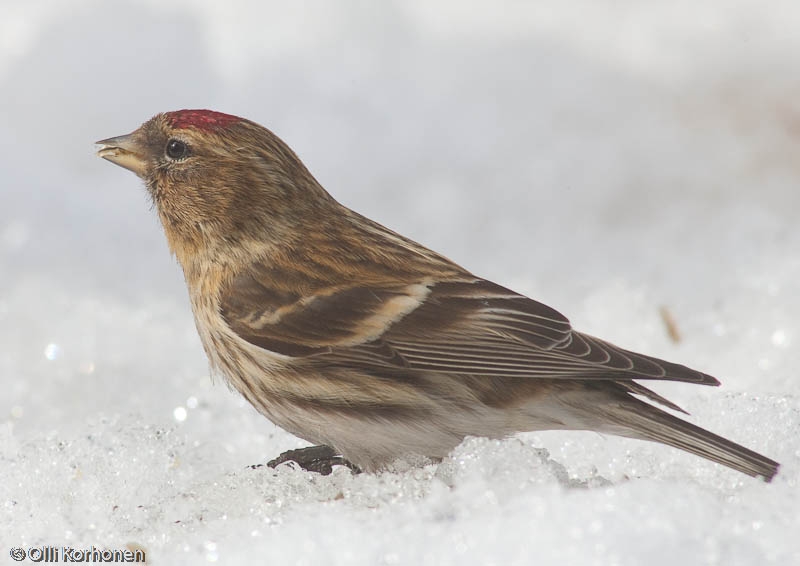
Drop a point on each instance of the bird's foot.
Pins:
(320, 459)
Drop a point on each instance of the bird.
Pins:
(362, 342)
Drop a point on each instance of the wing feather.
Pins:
(469, 326)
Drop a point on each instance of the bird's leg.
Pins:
(320, 459)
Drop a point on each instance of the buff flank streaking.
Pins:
(355, 338)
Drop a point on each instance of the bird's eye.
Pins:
(176, 149)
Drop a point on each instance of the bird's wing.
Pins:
(471, 327)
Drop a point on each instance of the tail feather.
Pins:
(637, 419)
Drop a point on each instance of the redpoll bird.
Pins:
(353, 337)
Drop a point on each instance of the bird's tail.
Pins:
(637, 419)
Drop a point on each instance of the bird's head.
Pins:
(216, 179)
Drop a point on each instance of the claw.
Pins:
(320, 459)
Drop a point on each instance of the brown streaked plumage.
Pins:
(356, 338)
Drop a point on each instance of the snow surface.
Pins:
(608, 158)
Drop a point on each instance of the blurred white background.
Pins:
(608, 158)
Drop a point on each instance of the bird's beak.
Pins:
(124, 151)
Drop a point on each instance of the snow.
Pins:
(607, 158)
